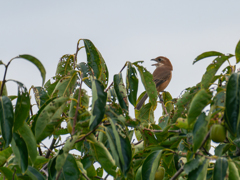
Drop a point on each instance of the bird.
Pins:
(162, 76)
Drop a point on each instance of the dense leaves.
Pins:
(101, 138)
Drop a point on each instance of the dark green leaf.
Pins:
(52, 172)
(30, 141)
(237, 52)
(220, 169)
(6, 118)
(232, 105)
(99, 98)
(22, 106)
(120, 90)
(207, 54)
(201, 172)
(96, 62)
(233, 171)
(193, 164)
(146, 114)
(41, 96)
(4, 155)
(20, 150)
(37, 63)
(8, 173)
(149, 85)
(209, 75)
(49, 118)
(5, 93)
(199, 101)
(219, 149)
(199, 131)
(150, 165)
(86, 72)
(34, 174)
(132, 84)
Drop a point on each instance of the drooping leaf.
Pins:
(132, 84)
(207, 54)
(41, 96)
(37, 63)
(199, 131)
(120, 90)
(34, 174)
(22, 108)
(6, 118)
(237, 52)
(96, 62)
(20, 150)
(209, 75)
(63, 153)
(30, 141)
(220, 169)
(66, 85)
(8, 173)
(199, 101)
(99, 98)
(232, 104)
(233, 171)
(149, 85)
(86, 72)
(4, 155)
(150, 165)
(49, 118)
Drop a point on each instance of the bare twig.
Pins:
(50, 148)
(138, 142)
(156, 131)
(205, 139)
(78, 104)
(177, 173)
(40, 151)
(85, 176)
(119, 72)
(14, 173)
(58, 176)
(163, 105)
(106, 176)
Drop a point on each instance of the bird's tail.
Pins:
(140, 103)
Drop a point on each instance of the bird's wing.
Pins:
(161, 76)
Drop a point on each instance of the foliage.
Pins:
(101, 130)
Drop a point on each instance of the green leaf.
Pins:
(212, 69)
(146, 113)
(22, 107)
(4, 155)
(34, 174)
(66, 85)
(237, 52)
(219, 149)
(232, 104)
(149, 85)
(99, 98)
(193, 164)
(52, 172)
(49, 118)
(132, 84)
(96, 62)
(8, 173)
(20, 150)
(5, 93)
(70, 169)
(150, 165)
(63, 153)
(65, 65)
(233, 171)
(199, 102)
(102, 155)
(6, 118)
(200, 173)
(199, 131)
(30, 141)
(41, 96)
(207, 54)
(86, 72)
(220, 169)
(37, 63)
(120, 90)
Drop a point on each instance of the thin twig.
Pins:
(78, 104)
(85, 176)
(205, 139)
(106, 176)
(82, 138)
(50, 148)
(58, 176)
(177, 173)
(14, 173)
(119, 72)
(156, 131)
(40, 151)
(163, 105)
(75, 57)
(138, 142)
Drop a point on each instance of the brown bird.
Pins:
(162, 75)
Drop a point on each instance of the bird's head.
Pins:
(162, 61)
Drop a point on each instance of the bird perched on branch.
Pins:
(162, 75)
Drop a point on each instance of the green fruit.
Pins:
(159, 175)
(69, 127)
(218, 133)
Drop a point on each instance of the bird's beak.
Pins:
(154, 60)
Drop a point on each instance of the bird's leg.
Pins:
(163, 105)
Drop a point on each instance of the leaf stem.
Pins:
(177, 173)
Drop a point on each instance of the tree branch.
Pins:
(177, 173)
(50, 148)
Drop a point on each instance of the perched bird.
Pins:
(162, 75)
